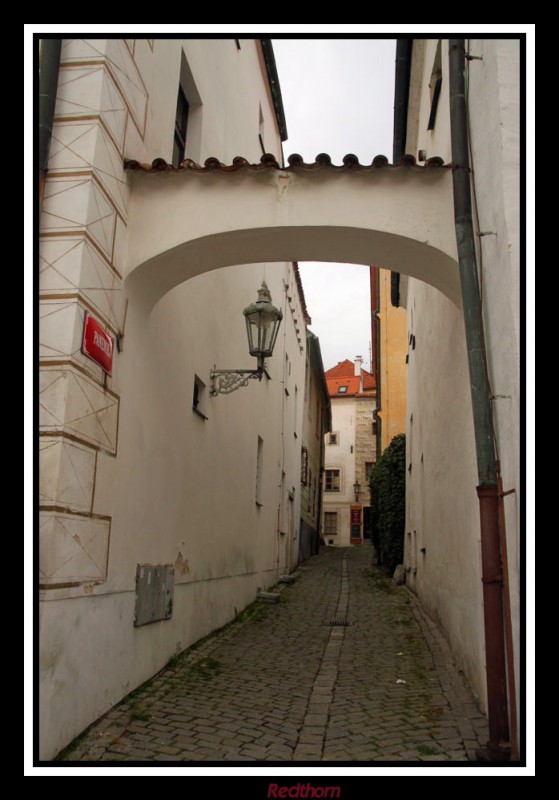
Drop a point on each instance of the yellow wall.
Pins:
(393, 369)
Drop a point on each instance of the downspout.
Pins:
(498, 746)
(49, 62)
(375, 346)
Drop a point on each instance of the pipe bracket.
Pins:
(493, 579)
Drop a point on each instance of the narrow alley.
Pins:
(345, 668)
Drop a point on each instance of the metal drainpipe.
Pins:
(498, 746)
(48, 83)
(375, 346)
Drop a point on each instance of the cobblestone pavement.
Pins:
(284, 684)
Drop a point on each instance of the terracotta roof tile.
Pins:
(342, 368)
(351, 384)
(294, 162)
(343, 375)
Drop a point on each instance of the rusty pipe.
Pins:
(514, 754)
(498, 746)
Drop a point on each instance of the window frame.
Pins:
(180, 128)
(329, 515)
(329, 477)
(259, 472)
(199, 398)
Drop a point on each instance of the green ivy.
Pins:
(388, 502)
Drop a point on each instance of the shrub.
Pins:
(388, 502)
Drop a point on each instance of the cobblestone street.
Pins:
(345, 668)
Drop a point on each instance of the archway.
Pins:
(190, 221)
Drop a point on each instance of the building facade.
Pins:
(350, 454)
(389, 339)
(146, 479)
(442, 541)
(316, 423)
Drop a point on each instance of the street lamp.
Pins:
(356, 489)
(262, 321)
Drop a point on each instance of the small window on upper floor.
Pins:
(435, 87)
(342, 389)
(332, 480)
(330, 523)
(181, 125)
(261, 129)
(332, 438)
(199, 398)
(259, 459)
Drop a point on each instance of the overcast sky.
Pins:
(338, 96)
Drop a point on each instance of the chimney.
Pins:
(358, 361)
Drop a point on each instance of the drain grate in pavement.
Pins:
(338, 623)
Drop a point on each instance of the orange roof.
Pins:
(342, 375)
(342, 369)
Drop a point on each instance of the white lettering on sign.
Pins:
(102, 343)
(97, 344)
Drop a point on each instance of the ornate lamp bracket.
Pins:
(225, 381)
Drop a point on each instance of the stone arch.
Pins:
(187, 222)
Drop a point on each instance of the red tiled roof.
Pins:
(343, 375)
(342, 368)
(295, 161)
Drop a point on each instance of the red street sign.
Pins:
(97, 344)
(356, 515)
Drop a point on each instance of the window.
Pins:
(332, 480)
(330, 523)
(304, 466)
(199, 397)
(368, 470)
(435, 87)
(332, 438)
(374, 428)
(181, 124)
(342, 389)
(259, 455)
(261, 129)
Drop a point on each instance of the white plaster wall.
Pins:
(160, 484)
(442, 507)
(442, 510)
(181, 490)
(496, 144)
(73, 654)
(232, 86)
